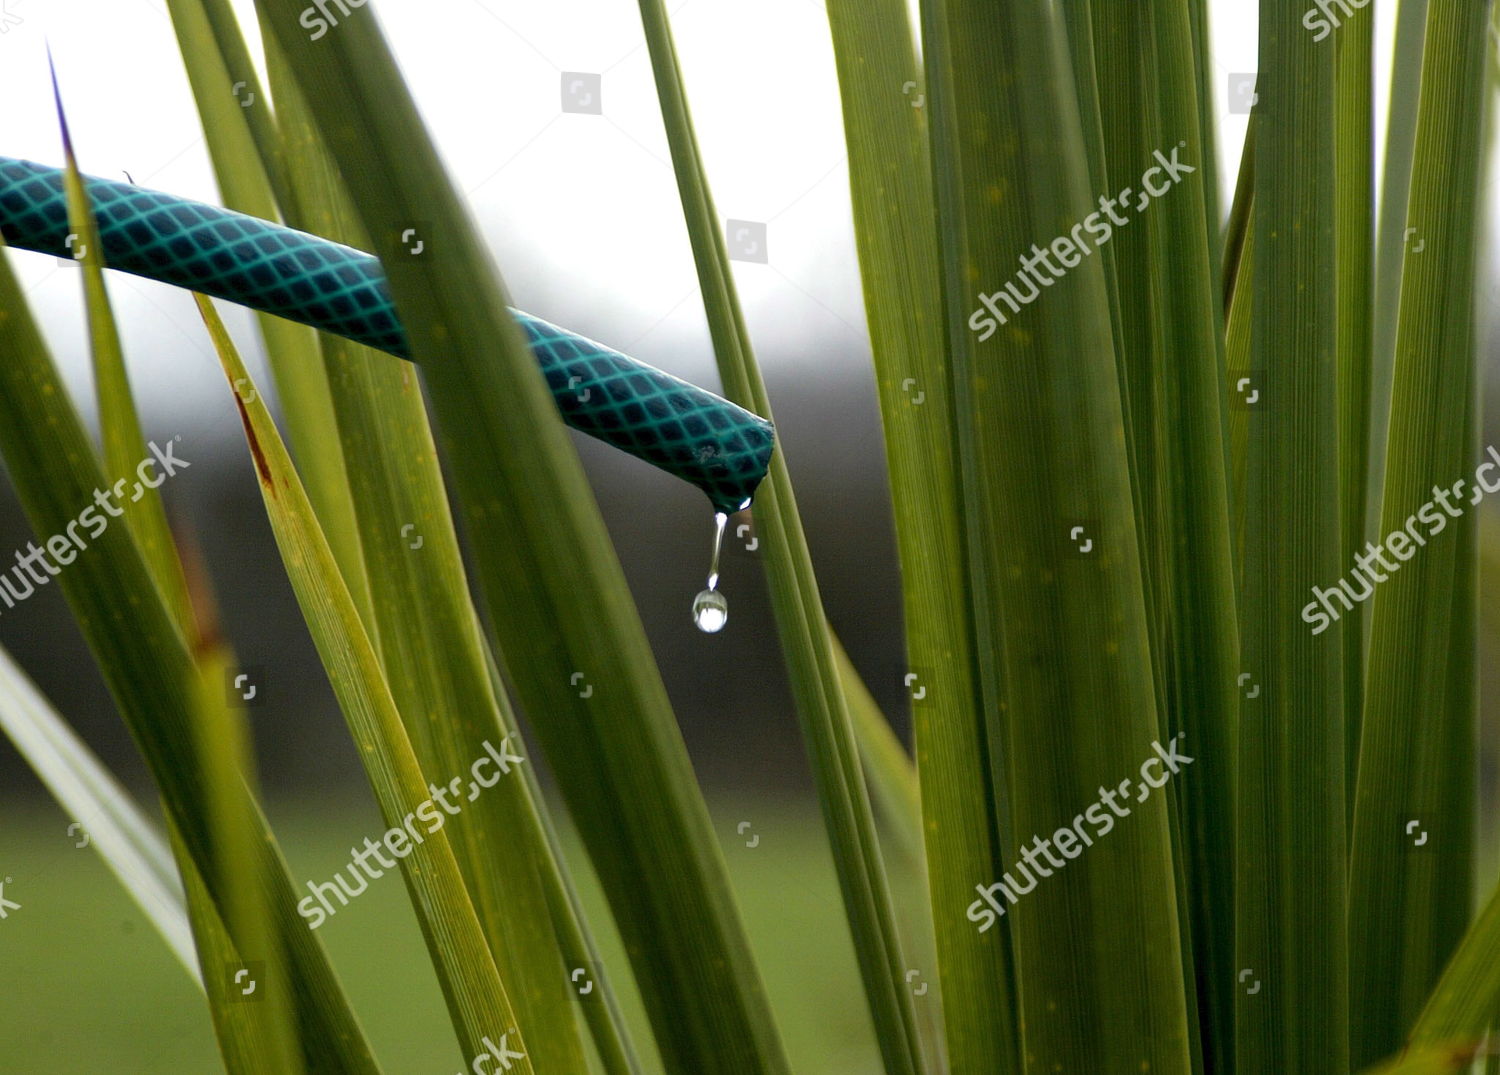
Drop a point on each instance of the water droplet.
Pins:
(710, 611)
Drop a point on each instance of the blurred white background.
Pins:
(580, 209)
(582, 214)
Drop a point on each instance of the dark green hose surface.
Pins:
(698, 436)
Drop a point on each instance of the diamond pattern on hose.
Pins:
(688, 432)
(653, 415)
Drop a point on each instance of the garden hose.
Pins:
(691, 433)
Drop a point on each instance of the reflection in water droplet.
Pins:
(710, 611)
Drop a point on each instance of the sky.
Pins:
(580, 207)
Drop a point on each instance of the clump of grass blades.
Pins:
(1110, 515)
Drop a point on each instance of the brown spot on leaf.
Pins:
(255, 450)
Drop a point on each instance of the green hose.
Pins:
(703, 439)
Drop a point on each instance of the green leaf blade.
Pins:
(1410, 904)
(1065, 634)
(545, 564)
(476, 997)
(895, 228)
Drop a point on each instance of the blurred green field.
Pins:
(91, 987)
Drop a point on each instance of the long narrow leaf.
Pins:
(258, 1038)
(1291, 844)
(1393, 237)
(427, 631)
(1410, 896)
(146, 662)
(1354, 158)
(1181, 346)
(1463, 1001)
(476, 998)
(239, 128)
(1061, 612)
(806, 643)
(120, 425)
(891, 189)
(133, 850)
(561, 609)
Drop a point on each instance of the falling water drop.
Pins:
(710, 609)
